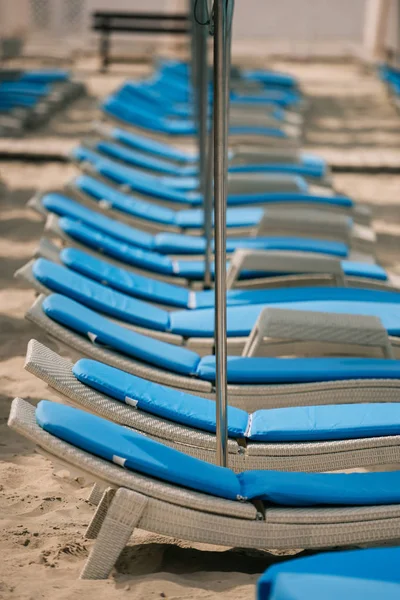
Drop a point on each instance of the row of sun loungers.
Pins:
(313, 339)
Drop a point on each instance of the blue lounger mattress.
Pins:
(294, 424)
(57, 278)
(133, 451)
(110, 197)
(177, 359)
(86, 222)
(171, 154)
(162, 188)
(158, 292)
(371, 574)
(137, 159)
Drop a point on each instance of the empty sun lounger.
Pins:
(182, 192)
(250, 379)
(254, 222)
(318, 438)
(111, 263)
(85, 223)
(242, 159)
(371, 574)
(182, 327)
(159, 489)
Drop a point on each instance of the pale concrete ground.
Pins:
(42, 519)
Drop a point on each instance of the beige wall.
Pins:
(14, 17)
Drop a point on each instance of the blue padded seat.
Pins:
(156, 399)
(138, 453)
(130, 283)
(160, 187)
(241, 319)
(248, 370)
(154, 147)
(104, 332)
(100, 191)
(174, 243)
(65, 207)
(190, 218)
(188, 269)
(173, 295)
(371, 574)
(98, 297)
(146, 161)
(292, 424)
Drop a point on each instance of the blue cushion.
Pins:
(45, 75)
(292, 197)
(314, 171)
(156, 399)
(175, 243)
(358, 574)
(127, 204)
(205, 299)
(235, 217)
(105, 332)
(316, 489)
(134, 451)
(140, 159)
(299, 370)
(294, 424)
(367, 270)
(126, 253)
(125, 281)
(316, 423)
(65, 207)
(94, 295)
(241, 319)
(146, 144)
(145, 184)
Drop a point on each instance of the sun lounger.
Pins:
(184, 327)
(242, 158)
(254, 221)
(251, 379)
(371, 574)
(319, 438)
(104, 258)
(81, 222)
(174, 192)
(159, 489)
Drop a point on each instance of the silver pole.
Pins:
(201, 101)
(220, 190)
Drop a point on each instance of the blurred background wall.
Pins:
(287, 27)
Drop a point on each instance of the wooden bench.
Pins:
(107, 23)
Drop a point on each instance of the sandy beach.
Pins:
(43, 516)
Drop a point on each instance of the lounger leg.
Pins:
(103, 505)
(96, 494)
(123, 514)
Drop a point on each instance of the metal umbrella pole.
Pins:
(200, 25)
(220, 119)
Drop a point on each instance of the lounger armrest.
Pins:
(317, 222)
(266, 261)
(298, 325)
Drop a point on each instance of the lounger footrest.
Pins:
(298, 325)
(282, 262)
